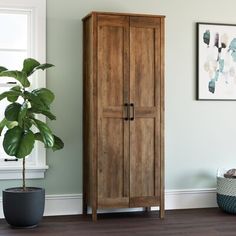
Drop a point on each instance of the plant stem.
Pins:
(23, 173)
(23, 170)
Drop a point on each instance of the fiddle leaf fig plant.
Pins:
(20, 117)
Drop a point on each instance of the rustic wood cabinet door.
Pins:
(145, 93)
(113, 94)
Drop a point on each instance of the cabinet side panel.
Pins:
(162, 205)
(88, 123)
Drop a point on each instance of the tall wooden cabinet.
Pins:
(123, 70)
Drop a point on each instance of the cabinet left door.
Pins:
(113, 94)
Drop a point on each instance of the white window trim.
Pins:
(38, 51)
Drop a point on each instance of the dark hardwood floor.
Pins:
(198, 222)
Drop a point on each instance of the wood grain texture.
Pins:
(123, 64)
(142, 158)
(145, 93)
(113, 131)
(204, 222)
(85, 119)
(145, 22)
(111, 202)
(94, 144)
(110, 65)
(113, 20)
(120, 14)
(87, 112)
(142, 66)
(111, 159)
(162, 117)
(146, 201)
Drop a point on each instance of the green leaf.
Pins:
(3, 123)
(30, 114)
(18, 143)
(47, 113)
(16, 88)
(3, 95)
(46, 133)
(29, 65)
(12, 111)
(46, 95)
(58, 144)
(11, 124)
(27, 123)
(21, 76)
(44, 66)
(2, 68)
(8, 124)
(11, 96)
(39, 137)
(22, 113)
(35, 100)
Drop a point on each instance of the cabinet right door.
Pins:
(145, 94)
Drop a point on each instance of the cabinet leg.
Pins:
(85, 208)
(162, 211)
(94, 214)
(147, 209)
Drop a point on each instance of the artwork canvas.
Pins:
(216, 61)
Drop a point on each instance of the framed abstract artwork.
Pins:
(216, 61)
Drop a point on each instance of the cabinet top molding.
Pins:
(120, 14)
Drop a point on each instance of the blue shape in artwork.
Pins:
(211, 86)
(216, 75)
(219, 68)
(221, 65)
(232, 45)
(233, 54)
(206, 37)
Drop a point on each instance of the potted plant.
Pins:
(24, 206)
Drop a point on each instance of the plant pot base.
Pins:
(23, 227)
(23, 209)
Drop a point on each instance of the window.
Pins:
(23, 33)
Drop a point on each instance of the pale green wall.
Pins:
(200, 135)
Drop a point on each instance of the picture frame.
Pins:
(216, 61)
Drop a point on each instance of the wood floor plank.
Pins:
(204, 222)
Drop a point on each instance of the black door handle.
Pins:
(132, 109)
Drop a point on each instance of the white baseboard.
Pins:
(71, 204)
(190, 198)
(64, 204)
